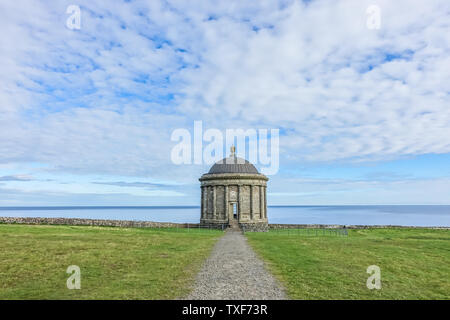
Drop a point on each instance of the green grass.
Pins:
(115, 263)
(414, 263)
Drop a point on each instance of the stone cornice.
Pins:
(226, 176)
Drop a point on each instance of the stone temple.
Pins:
(234, 194)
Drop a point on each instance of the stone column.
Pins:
(214, 203)
(202, 207)
(265, 202)
(239, 202)
(261, 204)
(251, 202)
(207, 201)
(226, 203)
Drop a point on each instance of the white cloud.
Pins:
(17, 177)
(361, 192)
(96, 99)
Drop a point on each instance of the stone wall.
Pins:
(97, 222)
(254, 227)
(338, 226)
(151, 224)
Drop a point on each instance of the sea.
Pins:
(402, 215)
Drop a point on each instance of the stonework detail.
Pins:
(235, 194)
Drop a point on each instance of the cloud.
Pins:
(361, 192)
(105, 99)
(383, 176)
(17, 197)
(131, 184)
(137, 184)
(17, 177)
(290, 194)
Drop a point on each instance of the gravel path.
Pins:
(233, 271)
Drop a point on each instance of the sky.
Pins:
(87, 115)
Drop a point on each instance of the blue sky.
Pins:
(86, 115)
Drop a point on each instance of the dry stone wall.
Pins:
(152, 224)
(339, 226)
(97, 222)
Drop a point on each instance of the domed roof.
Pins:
(233, 164)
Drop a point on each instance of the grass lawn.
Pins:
(115, 263)
(414, 263)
